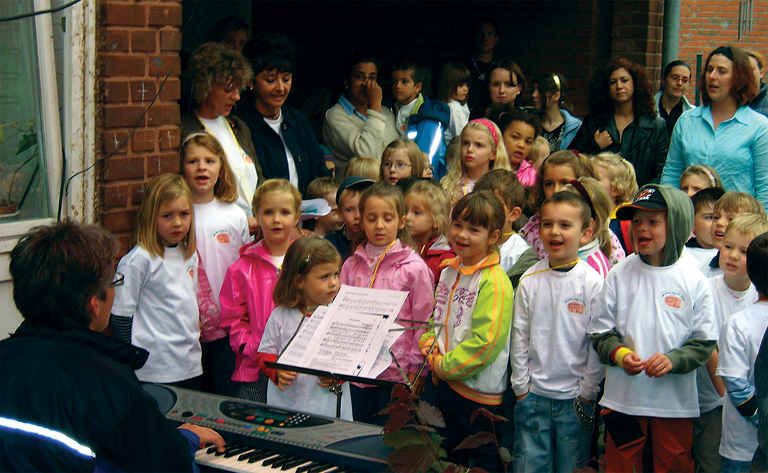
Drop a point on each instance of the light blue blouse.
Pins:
(737, 150)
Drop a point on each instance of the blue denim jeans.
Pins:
(735, 466)
(548, 436)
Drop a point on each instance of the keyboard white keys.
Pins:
(239, 462)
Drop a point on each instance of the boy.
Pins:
(701, 246)
(732, 292)
(325, 188)
(418, 118)
(555, 370)
(740, 341)
(347, 198)
(505, 185)
(655, 316)
(728, 207)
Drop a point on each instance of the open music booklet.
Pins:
(350, 338)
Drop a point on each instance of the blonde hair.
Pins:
(580, 163)
(748, 224)
(412, 150)
(225, 188)
(322, 186)
(214, 64)
(363, 166)
(303, 255)
(739, 202)
(537, 150)
(277, 186)
(622, 175)
(163, 188)
(434, 198)
(601, 203)
(394, 197)
(451, 182)
(705, 172)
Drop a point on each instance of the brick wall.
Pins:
(138, 47)
(637, 33)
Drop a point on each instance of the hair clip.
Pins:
(306, 260)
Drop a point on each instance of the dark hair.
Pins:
(513, 68)
(574, 199)
(757, 263)
(547, 83)
(485, 20)
(600, 102)
(507, 186)
(672, 65)
(743, 85)
(417, 72)
(448, 80)
(504, 114)
(710, 195)
(354, 60)
(303, 255)
(481, 208)
(224, 26)
(57, 269)
(268, 52)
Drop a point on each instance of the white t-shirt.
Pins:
(277, 126)
(401, 120)
(739, 343)
(654, 309)
(160, 294)
(241, 164)
(459, 119)
(551, 354)
(703, 257)
(511, 250)
(303, 394)
(221, 229)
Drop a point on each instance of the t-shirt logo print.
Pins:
(575, 306)
(673, 300)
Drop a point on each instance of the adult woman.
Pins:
(218, 74)
(671, 101)
(506, 82)
(559, 127)
(284, 140)
(358, 125)
(622, 119)
(725, 133)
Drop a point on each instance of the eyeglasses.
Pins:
(398, 166)
(119, 280)
(676, 78)
(361, 77)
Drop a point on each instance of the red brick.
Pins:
(164, 15)
(170, 40)
(116, 40)
(171, 91)
(120, 220)
(163, 163)
(144, 140)
(164, 114)
(161, 65)
(170, 138)
(113, 139)
(125, 244)
(120, 116)
(144, 40)
(143, 90)
(137, 193)
(116, 195)
(124, 65)
(115, 91)
(124, 14)
(123, 168)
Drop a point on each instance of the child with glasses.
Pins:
(400, 159)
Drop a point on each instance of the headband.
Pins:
(584, 195)
(708, 173)
(556, 79)
(491, 127)
(725, 51)
(192, 135)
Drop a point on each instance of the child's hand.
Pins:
(418, 384)
(325, 382)
(435, 380)
(658, 365)
(632, 364)
(285, 378)
(425, 350)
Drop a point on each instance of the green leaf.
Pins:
(506, 457)
(411, 459)
(2, 135)
(404, 437)
(27, 142)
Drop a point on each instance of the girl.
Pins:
(221, 229)
(426, 221)
(617, 176)
(310, 280)
(384, 261)
(519, 130)
(453, 89)
(401, 158)
(480, 152)
(506, 82)
(246, 295)
(156, 307)
(559, 127)
(698, 177)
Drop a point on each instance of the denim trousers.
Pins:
(548, 436)
(735, 466)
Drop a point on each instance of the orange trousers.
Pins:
(671, 441)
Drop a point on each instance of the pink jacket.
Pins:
(401, 269)
(246, 302)
(526, 173)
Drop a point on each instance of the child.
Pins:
(383, 261)
(505, 185)
(519, 130)
(555, 370)
(401, 158)
(728, 207)
(732, 292)
(347, 198)
(654, 315)
(700, 245)
(539, 152)
(156, 307)
(560, 168)
(246, 296)
(221, 228)
(453, 89)
(480, 153)
(325, 188)
(740, 341)
(698, 177)
(364, 166)
(309, 279)
(617, 176)
(473, 308)
(419, 118)
(426, 220)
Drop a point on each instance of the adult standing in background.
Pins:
(760, 102)
(671, 101)
(559, 127)
(232, 32)
(725, 133)
(480, 65)
(622, 119)
(358, 125)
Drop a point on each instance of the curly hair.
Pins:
(214, 64)
(600, 102)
